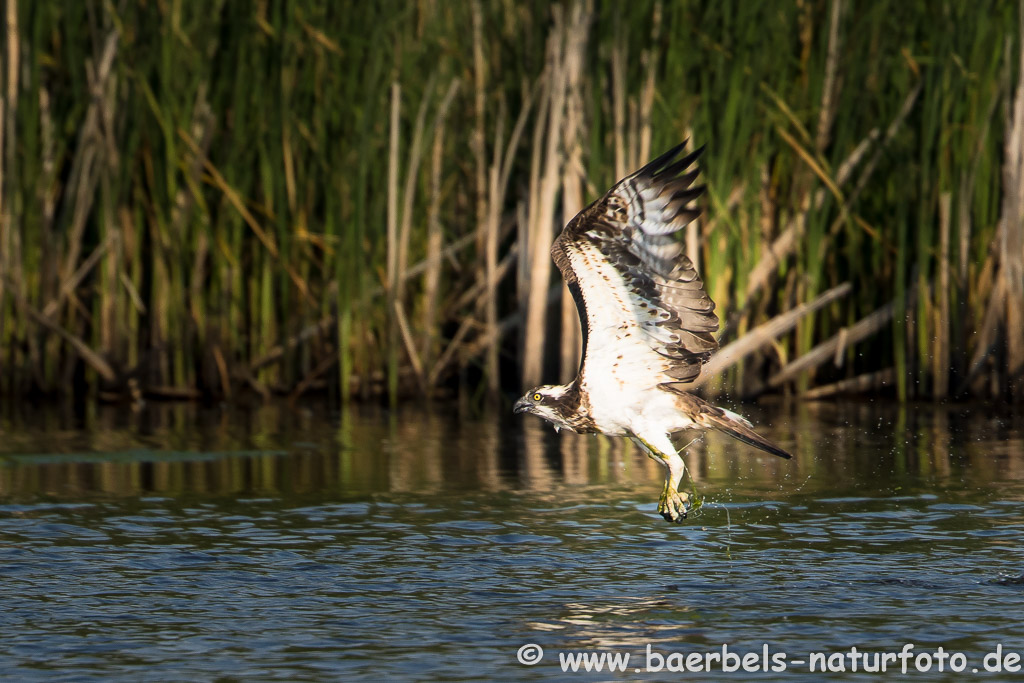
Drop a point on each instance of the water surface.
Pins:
(297, 544)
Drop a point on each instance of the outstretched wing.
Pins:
(642, 305)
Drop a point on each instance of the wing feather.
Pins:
(641, 302)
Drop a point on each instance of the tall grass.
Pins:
(231, 198)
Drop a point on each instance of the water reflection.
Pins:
(430, 544)
(274, 449)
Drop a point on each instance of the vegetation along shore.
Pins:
(206, 200)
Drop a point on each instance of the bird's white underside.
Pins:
(622, 371)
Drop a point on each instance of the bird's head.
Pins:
(546, 402)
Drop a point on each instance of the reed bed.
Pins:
(223, 199)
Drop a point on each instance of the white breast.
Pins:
(621, 371)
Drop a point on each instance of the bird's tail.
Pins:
(737, 427)
(713, 417)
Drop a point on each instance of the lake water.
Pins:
(179, 543)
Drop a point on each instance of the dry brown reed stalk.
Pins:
(71, 284)
(1005, 309)
(94, 360)
(498, 178)
(392, 240)
(491, 229)
(764, 334)
(941, 322)
(325, 364)
(527, 211)
(435, 235)
(400, 258)
(410, 346)
(847, 336)
(10, 257)
(987, 340)
(89, 153)
(693, 229)
(478, 143)
(650, 58)
(829, 99)
(965, 228)
(95, 157)
(541, 232)
(325, 324)
(618, 85)
(392, 192)
(476, 295)
(277, 353)
(506, 325)
(1011, 246)
(412, 167)
(868, 382)
(435, 241)
(446, 357)
(4, 239)
(573, 173)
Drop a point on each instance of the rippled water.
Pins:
(284, 544)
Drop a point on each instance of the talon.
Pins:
(674, 506)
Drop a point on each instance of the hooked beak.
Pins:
(521, 406)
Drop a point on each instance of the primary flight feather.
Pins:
(648, 325)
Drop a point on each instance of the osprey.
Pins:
(647, 324)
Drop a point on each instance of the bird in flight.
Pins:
(648, 325)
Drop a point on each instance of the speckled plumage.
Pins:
(648, 325)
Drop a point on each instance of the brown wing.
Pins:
(625, 268)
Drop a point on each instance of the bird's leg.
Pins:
(673, 505)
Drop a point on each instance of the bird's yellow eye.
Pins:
(536, 397)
